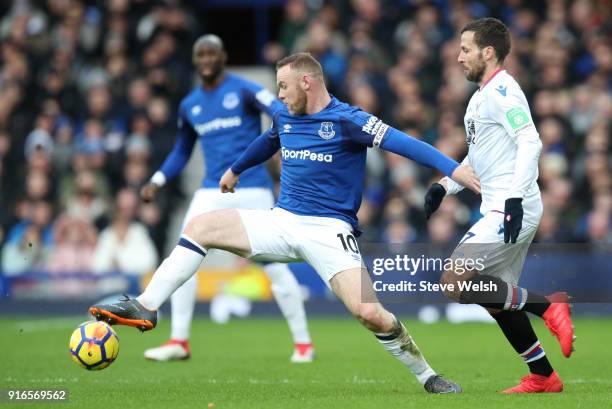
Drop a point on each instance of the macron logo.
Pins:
(218, 123)
(305, 154)
(502, 90)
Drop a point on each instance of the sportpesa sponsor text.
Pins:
(305, 154)
(218, 123)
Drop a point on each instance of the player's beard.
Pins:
(213, 76)
(476, 73)
(299, 106)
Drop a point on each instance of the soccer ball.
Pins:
(94, 345)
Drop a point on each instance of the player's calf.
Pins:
(354, 288)
(374, 317)
(450, 281)
(494, 293)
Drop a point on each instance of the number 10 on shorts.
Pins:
(349, 243)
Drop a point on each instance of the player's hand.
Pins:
(228, 181)
(148, 192)
(433, 198)
(513, 219)
(464, 175)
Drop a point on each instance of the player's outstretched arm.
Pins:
(403, 144)
(465, 175)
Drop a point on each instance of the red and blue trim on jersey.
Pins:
(493, 74)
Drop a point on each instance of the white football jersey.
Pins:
(496, 114)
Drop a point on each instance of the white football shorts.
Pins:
(327, 244)
(208, 199)
(485, 241)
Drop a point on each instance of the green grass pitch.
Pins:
(245, 364)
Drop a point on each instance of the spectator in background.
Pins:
(74, 241)
(29, 242)
(125, 245)
(293, 26)
(99, 108)
(85, 200)
(138, 95)
(163, 128)
(442, 229)
(329, 50)
(63, 145)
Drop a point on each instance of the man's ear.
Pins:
(488, 53)
(305, 82)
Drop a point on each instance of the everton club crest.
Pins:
(327, 130)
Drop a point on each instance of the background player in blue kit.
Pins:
(323, 145)
(224, 113)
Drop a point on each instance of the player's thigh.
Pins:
(482, 249)
(354, 288)
(209, 199)
(268, 236)
(220, 229)
(204, 200)
(327, 244)
(249, 198)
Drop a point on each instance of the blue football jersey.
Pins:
(323, 159)
(226, 119)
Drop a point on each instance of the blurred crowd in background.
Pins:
(89, 92)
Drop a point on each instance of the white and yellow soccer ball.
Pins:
(94, 345)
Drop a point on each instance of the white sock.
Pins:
(399, 343)
(177, 268)
(183, 302)
(288, 295)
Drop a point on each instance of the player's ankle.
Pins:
(303, 347)
(182, 342)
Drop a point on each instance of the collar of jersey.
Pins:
(497, 71)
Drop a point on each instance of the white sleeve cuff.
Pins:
(158, 179)
(452, 187)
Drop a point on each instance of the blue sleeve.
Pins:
(181, 152)
(262, 99)
(259, 151)
(405, 145)
(366, 129)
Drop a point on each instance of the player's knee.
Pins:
(370, 315)
(198, 228)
